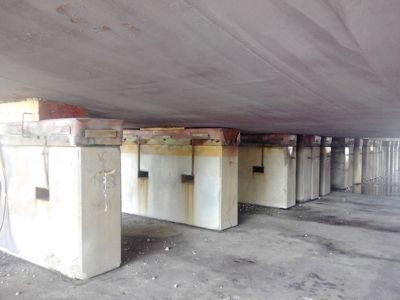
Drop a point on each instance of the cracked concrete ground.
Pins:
(343, 246)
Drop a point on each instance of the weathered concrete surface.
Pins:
(315, 169)
(75, 230)
(367, 160)
(274, 185)
(186, 180)
(343, 246)
(307, 167)
(322, 67)
(357, 174)
(342, 170)
(303, 174)
(59, 202)
(387, 185)
(325, 166)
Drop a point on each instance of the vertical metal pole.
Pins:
(193, 156)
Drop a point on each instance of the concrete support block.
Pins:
(35, 109)
(367, 160)
(186, 176)
(267, 170)
(384, 161)
(373, 160)
(378, 158)
(307, 167)
(315, 175)
(342, 163)
(61, 194)
(358, 145)
(375, 166)
(392, 155)
(303, 171)
(396, 155)
(325, 166)
(389, 157)
(395, 152)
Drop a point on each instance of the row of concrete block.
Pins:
(197, 176)
(62, 182)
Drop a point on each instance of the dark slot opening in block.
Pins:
(143, 174)
(42, 194)
(258, 169)
(187, 178)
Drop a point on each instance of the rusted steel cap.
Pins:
(367, 142)
(182, 136)
(66, 132)
(275, 139)
(378, 143)
(326, 141)
(308, 140)
(342, 142)
(358, 143)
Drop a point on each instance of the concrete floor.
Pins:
(343, 246)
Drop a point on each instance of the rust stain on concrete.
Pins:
(75, 19)
(130, 27)
(171, 150)
(62, 9)
(104, 28)
(143, 195)
(188, 192)
(186, 150)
